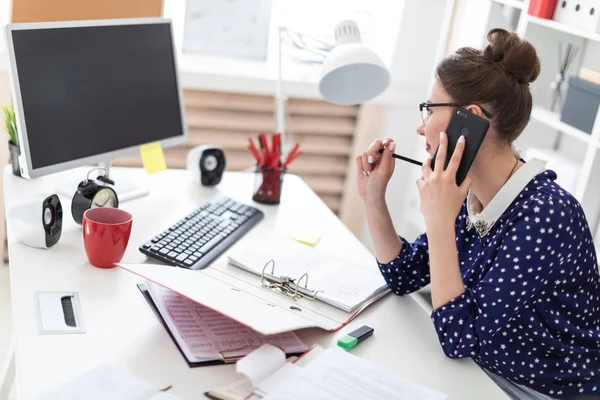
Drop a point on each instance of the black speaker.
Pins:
(37, 221)
(207, 164)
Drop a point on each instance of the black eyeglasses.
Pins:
(424, 109)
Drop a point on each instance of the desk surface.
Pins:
(122, 331)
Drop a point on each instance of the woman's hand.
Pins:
(441, 198)
(375, 170)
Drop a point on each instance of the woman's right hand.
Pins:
(375, 170)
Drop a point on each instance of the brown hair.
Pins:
(497, 78)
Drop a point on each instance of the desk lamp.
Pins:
(352, 73)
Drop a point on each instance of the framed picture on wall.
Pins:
(236, 28)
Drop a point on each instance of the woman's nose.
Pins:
(421, 130)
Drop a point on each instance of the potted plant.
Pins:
(13, 141)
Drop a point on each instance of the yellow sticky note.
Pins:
(304, 236)
(153, 157)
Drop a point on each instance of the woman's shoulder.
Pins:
(544, 196)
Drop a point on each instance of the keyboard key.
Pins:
(147, 245)
(188, 262)
(172, 255)
(181, 257)
(155, 240)
(163, 252)
(154, 249)
(212, 243)
(194, 258)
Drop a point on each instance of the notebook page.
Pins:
(337, 374)
(345, 286)
(204, 333)
(291, 258)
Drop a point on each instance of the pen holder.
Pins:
(267, 184)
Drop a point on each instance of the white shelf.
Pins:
(511, 3)
(552, 119)
(564, 28)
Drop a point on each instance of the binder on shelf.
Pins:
(269, 303)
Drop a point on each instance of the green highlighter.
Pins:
(355, 337)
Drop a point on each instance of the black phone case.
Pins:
(473, 128)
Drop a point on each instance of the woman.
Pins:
(513, 271)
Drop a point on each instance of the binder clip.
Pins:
(289, 287)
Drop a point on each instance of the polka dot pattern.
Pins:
(530, 311)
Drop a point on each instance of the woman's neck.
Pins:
(490, 171)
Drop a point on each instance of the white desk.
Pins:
(122, 330)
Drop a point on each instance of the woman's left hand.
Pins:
(441, 198)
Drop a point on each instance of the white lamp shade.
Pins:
(352, 73)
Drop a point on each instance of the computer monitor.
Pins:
(86, 92)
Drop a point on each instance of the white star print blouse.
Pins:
(530, 311)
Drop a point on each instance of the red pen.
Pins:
(292, 152)
(291, 158)
(264, 145)
(254, 151)
(276, 150)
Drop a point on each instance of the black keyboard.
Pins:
(197, 239)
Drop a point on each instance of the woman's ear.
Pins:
(475, 109)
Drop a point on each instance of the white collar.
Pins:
(484, 221)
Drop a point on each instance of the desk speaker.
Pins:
(206, 164)
(37, 221)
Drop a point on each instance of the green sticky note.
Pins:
(347, 342)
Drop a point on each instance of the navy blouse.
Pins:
(530, 311)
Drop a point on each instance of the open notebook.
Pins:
(318, 374)
(337, 281)
(205, 336)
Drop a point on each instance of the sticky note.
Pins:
(305, 236)
(153, 157)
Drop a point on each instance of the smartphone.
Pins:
(473, 128)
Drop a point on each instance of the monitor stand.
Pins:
(126, 190)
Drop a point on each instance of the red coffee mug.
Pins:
(106, 233)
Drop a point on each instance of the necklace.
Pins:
(511, 171)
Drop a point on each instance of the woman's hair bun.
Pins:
(514, 55)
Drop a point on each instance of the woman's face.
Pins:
(437, 118)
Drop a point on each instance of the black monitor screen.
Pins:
(92, 90)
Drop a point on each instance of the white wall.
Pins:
(417, 51)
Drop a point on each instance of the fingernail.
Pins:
(461, 139)
(370, 159)
(393, 146)
(368, 173)
(364, 173)
(441, 135)
(384, 142)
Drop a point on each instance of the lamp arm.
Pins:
(280, 99)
